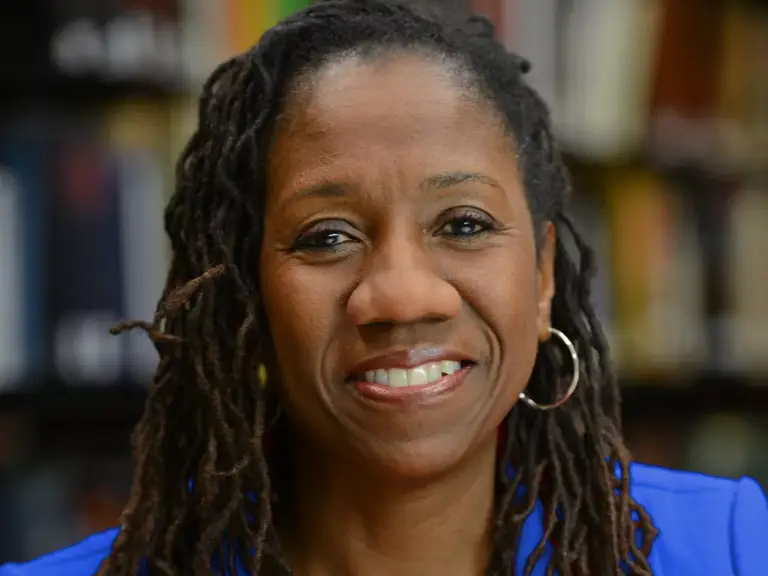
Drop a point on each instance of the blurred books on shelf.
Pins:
(747, 271)
(212, 32)
(84, 196)
(607, 52)
(24, 183)
(138, 134)
(682, 80)
(84, 257)
(709, 97)
(13, 353)
(661, 106)
(679, 268)
(657, 276)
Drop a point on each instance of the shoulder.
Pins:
(705, 524)
(82, 559)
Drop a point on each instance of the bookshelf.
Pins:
(661, 107)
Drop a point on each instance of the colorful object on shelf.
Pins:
(249, 19)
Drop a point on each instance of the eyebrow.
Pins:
(323, 190)
(448, 179)
(436, 182)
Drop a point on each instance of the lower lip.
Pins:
(403, 394)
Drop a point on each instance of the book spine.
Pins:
(85, 263)
(22, 191)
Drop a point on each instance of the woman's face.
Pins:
(399, 269)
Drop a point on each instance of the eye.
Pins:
(466, 224)
(325, 236)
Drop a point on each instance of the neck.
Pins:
(349, 521)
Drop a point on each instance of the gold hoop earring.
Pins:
(574, 379)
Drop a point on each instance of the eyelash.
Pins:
(475, 218)
(316, 240)
(313, 241)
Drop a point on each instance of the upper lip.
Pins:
(408, 358)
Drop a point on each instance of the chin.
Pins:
(418, 459)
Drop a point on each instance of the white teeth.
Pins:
(417, 376)
(449, 366)
(398, 377)
(381, 377)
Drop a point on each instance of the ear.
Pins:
(546, 280)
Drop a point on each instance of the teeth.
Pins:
(449, 367)
(417, 376)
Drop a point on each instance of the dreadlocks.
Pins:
(204, 485)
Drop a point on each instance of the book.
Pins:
(746, 275)
(85, 258)
(607, 56)
(23, 187)
(136, 134)
(657, 275)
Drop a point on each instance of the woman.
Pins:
(372, 212)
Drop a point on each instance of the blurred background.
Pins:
(660, 105)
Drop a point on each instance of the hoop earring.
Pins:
(574, 379)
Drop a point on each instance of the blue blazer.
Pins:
(707, 526)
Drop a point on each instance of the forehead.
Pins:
(415, 113)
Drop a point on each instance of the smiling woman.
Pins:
(372, 210)
(404, 245)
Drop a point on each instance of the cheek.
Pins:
(516, 306)
(300, 312)
(506, 301)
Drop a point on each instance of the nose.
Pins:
(401, 286)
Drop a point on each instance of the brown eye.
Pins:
(467, 224)
(327, 236)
